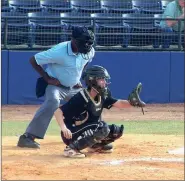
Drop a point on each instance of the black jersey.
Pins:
(81, 108)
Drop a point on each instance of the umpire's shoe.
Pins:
(27, 142)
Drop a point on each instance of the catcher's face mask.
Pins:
(97, 77)
(102, 82)
(100, 85)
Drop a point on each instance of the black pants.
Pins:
(79, 130)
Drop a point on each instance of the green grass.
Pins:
(154, 127)
(12, 128)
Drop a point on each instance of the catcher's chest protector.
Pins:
(93, 107)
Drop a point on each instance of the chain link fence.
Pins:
(118, 24)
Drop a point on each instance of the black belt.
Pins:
(74, 87)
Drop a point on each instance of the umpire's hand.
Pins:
(53, 81)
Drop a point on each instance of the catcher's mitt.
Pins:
(134, 98)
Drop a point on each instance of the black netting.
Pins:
(37, 23)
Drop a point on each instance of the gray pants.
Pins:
(53, 96)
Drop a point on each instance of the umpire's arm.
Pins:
(39, 69)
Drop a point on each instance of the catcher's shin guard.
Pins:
(90, 137)
(105, 145)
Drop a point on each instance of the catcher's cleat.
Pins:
(68, 152)
(101, 149)
(26, 142)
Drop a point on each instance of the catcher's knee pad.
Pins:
(115, 133)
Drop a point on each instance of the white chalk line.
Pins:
(178, 151)
(142, 159)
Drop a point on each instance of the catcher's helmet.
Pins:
(92, 74)
(84, 39)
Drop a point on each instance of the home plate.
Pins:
(179, 151)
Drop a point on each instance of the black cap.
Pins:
(82, 33)
(78, 31)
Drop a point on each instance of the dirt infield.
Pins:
(135, 157)
(152, 112)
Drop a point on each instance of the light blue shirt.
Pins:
(173, 10)
(63, 64)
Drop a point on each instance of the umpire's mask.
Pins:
(84, 40)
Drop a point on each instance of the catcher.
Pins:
(80, 117)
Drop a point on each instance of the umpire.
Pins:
(60, 81)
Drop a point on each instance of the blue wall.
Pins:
(4, 78)
(22, 79)
(177, 77)
(129, 68)
(161, 73)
